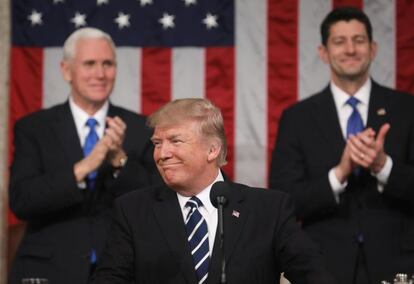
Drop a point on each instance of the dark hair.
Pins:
(344, 14)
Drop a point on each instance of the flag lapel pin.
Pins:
(235, 213)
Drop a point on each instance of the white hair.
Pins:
(69, 47)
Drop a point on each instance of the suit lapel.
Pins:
(169, 217)
(377, 110)
(65, 130)
(234, 217)
(327, 121)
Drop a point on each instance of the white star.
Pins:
(167, 21)
(145, 2)
(79, 20)
(100, 2)
(122, 20)
(210, 21)
(190, 2)
(35, 18)
(58, 1)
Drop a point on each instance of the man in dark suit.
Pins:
(64, 193)
(155, 238)
(350, 169)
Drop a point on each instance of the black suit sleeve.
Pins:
(296, 253)
(36, 186)
(290, 171)
(117, 263)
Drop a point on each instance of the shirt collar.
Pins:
(204, 196)
(80, 116)
(340, 97)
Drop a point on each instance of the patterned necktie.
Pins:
(90, 143)
(355, 124)
(197, 232)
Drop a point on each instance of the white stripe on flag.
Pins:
(382, 16)
(188, 73)
(313, 72)
(55, 90)
(251, 92)
(127, 90)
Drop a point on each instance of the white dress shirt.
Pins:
(80, 117)
(208, 211)
(344, 110)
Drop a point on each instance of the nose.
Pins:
(350, 47)
(100, 71)
(162, 151)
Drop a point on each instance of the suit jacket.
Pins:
(65, 222)
(310, 143)
(148, 243)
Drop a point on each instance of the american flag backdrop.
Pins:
(252, 58)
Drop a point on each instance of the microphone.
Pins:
(219, 197)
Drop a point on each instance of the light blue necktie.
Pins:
(355, 124)
(197, 233)
(90, 143)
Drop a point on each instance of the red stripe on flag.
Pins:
(220, 90)
(282, 62)
(26, 90)
(156, 78)
(405, 46)
(354, 3)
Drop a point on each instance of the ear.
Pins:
(374, 49)
(214, 150)
(65, 69)
(323, 53)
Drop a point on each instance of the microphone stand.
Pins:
(221, 200)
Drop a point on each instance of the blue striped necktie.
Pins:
(197, 232)
(355, 124)
(90, 143)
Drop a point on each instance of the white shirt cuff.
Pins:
(383, 175)
(336, 186)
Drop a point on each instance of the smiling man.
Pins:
(167, 234)
(71, 161)
(346, 155)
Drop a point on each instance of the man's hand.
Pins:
(108, 148)
(91, 162)
(345, 166)
(114, 138)
(367, 151)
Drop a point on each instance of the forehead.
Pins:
(90, 48)
(347, 28)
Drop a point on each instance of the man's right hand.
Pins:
(93, 161)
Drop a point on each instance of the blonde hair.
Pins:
(200, 110)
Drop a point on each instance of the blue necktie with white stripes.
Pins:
(197, 232)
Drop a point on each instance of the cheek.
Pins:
(110, 74)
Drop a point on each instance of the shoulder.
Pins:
(41, 117)
(258, 195)
(140, 197)
(127, 115)
(306, 105)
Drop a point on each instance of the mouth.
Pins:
(166, 166)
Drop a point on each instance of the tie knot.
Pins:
(194, 202)
(352, 101)
(91, 123)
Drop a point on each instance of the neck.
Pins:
(202, 183)
(89, 107)
(349, 85)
